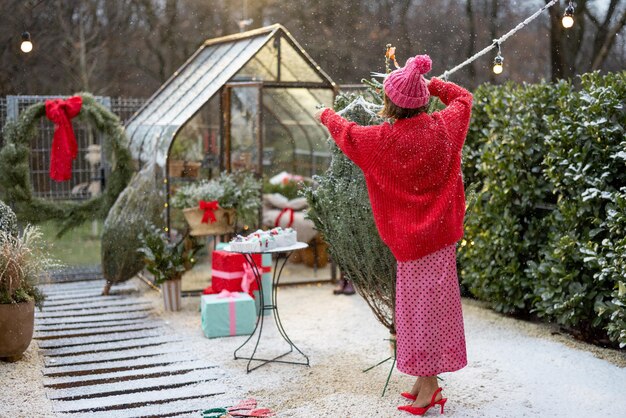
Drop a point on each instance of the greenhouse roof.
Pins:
(269, 55)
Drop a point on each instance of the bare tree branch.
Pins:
(609, 40)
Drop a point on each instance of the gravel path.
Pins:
(516, 369)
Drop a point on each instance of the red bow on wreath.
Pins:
(208, 208)
(64, 147)
(280, 215)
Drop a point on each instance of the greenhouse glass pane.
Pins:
(294, 140)
(244, 128)
(194, 84)
(263, 66)
(293, 67)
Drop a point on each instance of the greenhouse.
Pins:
(244, 101)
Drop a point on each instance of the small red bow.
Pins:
(280, 215)
(208, 208)
(64, 148)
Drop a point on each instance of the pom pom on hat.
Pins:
(406, 86)
(421, 63)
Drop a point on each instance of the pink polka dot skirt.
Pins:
(429, 319)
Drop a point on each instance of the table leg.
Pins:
(260, 319)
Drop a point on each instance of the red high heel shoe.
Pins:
(408, 396)
(415, 410)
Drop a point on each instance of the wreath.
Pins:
(15, 183)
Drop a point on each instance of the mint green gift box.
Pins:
(266, 286)
(221, 245)
(227, 316)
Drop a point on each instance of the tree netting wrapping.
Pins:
(138, 206)
(340, 208)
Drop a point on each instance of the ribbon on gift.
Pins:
(64, 148)
(209, 290)
(280, 215)
(248, 281)
(209, 209)
(232, 313)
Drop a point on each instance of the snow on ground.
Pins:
(516, 369)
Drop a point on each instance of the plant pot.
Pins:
(16, 328)
(171, 290)
(224, 223)
(184, 169)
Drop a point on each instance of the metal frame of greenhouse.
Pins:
(258, 80)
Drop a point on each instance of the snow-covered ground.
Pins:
(516, 369)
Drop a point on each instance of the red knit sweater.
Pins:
(413, 172)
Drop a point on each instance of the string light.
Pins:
(499, 41)
(498, 62)
(568, 17)
(26, 45)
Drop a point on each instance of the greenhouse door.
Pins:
(243, 127)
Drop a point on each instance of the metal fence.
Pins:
(90, 168)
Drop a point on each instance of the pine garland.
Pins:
(15, 182)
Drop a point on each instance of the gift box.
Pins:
(266, 287)
(227, 270)
(221, 245)
(227, 314)
(266, 284)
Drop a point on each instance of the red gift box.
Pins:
(228, 270)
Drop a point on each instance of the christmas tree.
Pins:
(340, 208)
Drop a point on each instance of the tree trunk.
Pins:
(556, 59)
(471, 50)
(493, 30)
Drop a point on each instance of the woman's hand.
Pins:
(318, 114)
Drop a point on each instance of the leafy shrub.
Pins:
(584, 162)
(164, 259)
(547, 234)
(506, 227)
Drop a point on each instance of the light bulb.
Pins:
(568, 21)
(568, 17)
(498, 64)
(26, 45)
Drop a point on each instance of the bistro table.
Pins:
(282, 255)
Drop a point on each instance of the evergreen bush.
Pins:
(506, 227)
(578, 271)
(546, 235)
(8, 221)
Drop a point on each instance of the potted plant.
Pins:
(167, 261)
(214, 207)
(21, 263)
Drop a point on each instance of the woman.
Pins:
(412, 168)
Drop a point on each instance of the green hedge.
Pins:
(546, 234)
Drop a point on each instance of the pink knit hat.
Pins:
(406, 86)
